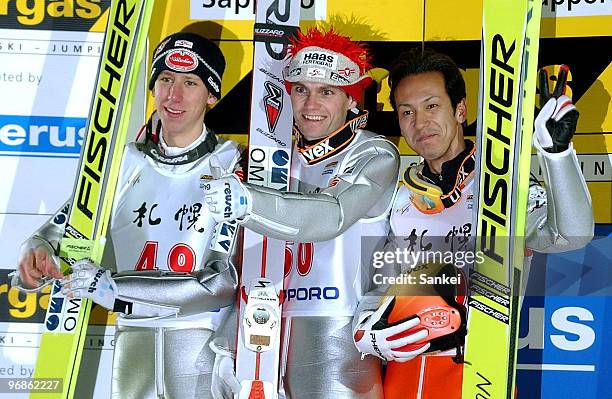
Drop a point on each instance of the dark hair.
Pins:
(416, 61)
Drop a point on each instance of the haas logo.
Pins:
(273, 103)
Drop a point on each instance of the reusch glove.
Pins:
(556, 123)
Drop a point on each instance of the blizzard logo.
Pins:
(273, 104)
(96, 279)
(228, 201)
(212, 82)
(41, 135)
(319, 150)
(269, 32)
(313, 293)
(271, 76)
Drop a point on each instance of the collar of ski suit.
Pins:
(315, 151)
(431, 192)
(154, 146)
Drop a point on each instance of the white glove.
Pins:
(89, 280)
(226, 198)
(224, 383)
(556, 122)
(374, 336)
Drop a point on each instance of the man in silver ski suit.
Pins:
(172, 277)
(434, 204)
(342, 182)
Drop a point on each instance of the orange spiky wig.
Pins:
(329, 58)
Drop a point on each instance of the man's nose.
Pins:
(420, 119)
(176, 92)
(311, 100)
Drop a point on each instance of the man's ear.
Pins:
(211, 99)
(461, 111)
(351, 102)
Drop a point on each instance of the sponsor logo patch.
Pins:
(273, 104)
(155, 154)
(338, 78)
(160, 48)
(320, 58)
(212, 82)
(346, 71)
(319, 150)
(183, 43)
(182, 60)
(315, 73)
(295, 72)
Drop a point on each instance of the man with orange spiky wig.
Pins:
(342, 182)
